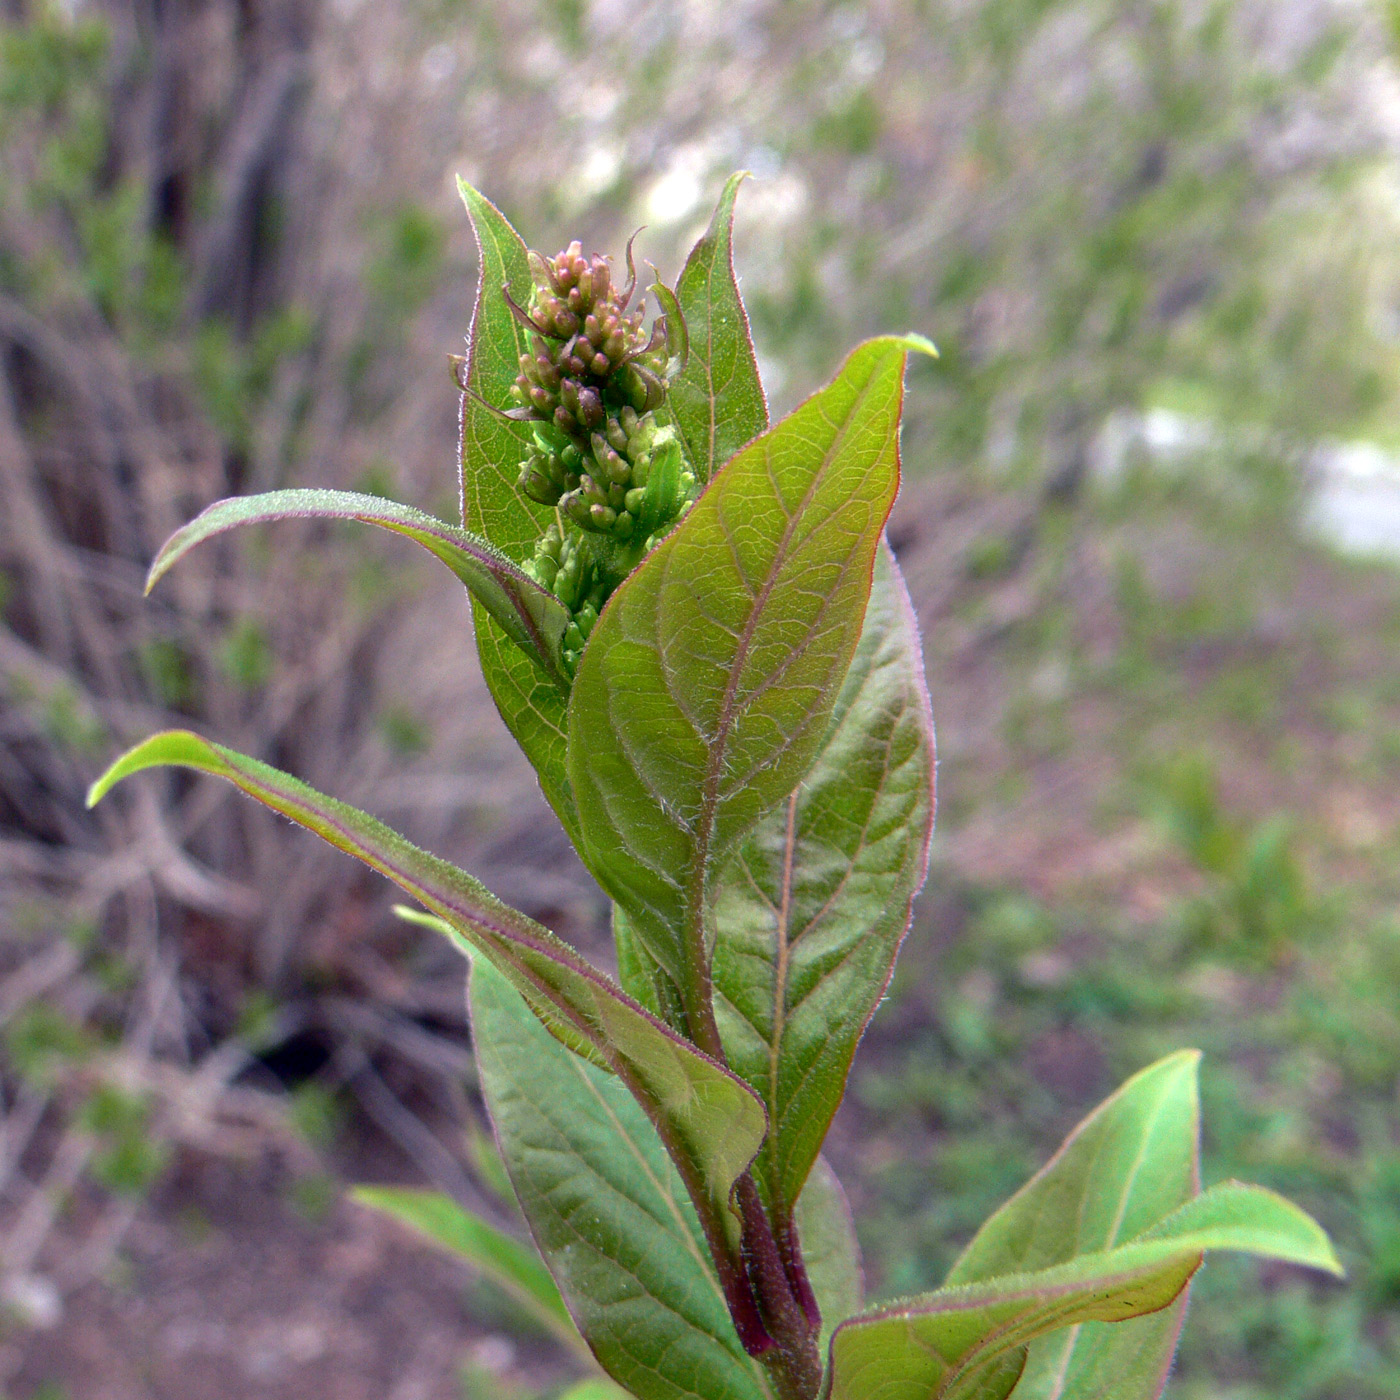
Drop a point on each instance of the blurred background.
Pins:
(1151, 519)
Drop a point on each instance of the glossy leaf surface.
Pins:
(951, 1343)
(1130, 1164)
(708, 1117)
(717, 401)
(708, 684)
(606, 1209)
(491, 450)
(810, 912)
(530, 616)
(508, 1263)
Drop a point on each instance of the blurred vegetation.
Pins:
(230, 260)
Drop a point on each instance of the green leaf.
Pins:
(606, 1209)
(513, 1266)
(709, 1119)
(810, 912)
(531, 616)
(491, 451)
(830, 1249)
(717, 401)
(708, 684)
(953, 1342)
(593, 1388)
(1130, 1164)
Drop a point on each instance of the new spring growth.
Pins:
(592, 383)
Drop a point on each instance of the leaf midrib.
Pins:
(714, 750)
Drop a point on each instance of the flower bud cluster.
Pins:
(589, 361)
(590, 384)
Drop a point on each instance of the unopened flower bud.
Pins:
(590, 408)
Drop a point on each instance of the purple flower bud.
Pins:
(590, 408)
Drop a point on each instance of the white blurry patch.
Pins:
(679, 189)
(762, 162)
(495, 1354)
(777, 203)
(543, 60)
(599, 169)
(437, 64)
(773, 375)
(35, 1300)
(1355, 500)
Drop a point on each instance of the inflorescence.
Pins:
(591, 385)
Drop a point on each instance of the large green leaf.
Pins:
(491, 449)
(708, 684)
(1130, 1164)
(606, 1209)
(511, 1265)
(709, 1119)
(963, 1341)
(810, 912)
(717, 401)
(531, 616)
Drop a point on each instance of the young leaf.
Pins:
(830, 1249)
(532, 617)
(717, 401)
(707, 686)
(606, 1209)
(510, 1265)
(709, 1120)
(491, 450)
(951, 1343)
(810, 912)
(1130, 1164)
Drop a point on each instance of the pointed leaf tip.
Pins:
(919, 344)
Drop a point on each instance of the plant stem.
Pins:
(792, 1320)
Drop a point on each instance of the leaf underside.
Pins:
(606, 1209)
(490, 451)
(830, 1250)
(707, 1116)
(708, 683)
(511, 1265)
(530, 616)
(810, 912)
